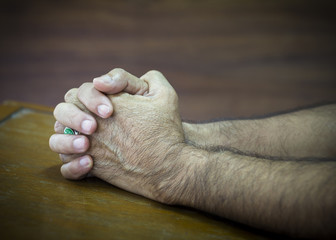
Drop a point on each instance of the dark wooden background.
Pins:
(224, 58)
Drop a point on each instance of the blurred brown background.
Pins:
(224, 58)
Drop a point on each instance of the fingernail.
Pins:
(87, 125)
(103, 110)
(78, 143)
(104, 79)
(84, 162)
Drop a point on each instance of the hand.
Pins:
(117, 80)
(137, 148)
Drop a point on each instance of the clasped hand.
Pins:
(133, 140)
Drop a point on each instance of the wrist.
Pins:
(197, 134)
(207, 135)
(190, 131)
(185, 187)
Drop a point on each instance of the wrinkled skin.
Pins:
(138, 147)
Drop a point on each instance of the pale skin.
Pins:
(275, 173)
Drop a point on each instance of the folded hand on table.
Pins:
(136, 148)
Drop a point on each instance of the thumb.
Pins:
(118, 80)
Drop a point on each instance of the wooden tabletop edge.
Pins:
(27, 105)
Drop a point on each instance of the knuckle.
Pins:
(55, 144)
(62, 157)
(85, 85)
(70, 95)
(51, 143)
(117, 73)
(82, 89)
(172, 96)
(58, 126)
(154, 72)
(168, 95)
(58, 109)
(86, 96)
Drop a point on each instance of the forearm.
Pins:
(288, 197)
(305, 133)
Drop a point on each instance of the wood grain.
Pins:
(224, 58)
(36, 202)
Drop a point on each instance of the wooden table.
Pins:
(36, 202)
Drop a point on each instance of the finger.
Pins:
(159, 86)
(71, 97)
(94, 100)
(68, 144)
(118, 80)
(65, 158)
(59, 127)
(78, 168)
(71, 116)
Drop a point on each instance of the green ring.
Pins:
(70, 131)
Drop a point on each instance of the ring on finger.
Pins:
(70, 131)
